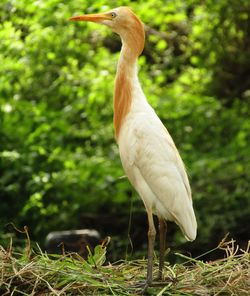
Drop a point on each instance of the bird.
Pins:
(148, 154)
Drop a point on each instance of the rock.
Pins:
(72, 241)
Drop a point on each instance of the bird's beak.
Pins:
(96, 18)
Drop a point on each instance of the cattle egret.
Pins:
(148, 154)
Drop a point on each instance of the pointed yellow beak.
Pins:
(96, 18)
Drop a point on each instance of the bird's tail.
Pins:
(187, 223)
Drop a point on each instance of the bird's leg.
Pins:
(162, 232)
(151, 240)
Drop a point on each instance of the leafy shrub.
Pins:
(59, 160)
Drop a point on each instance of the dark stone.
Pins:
(72, 241)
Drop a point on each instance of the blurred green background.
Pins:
(59, 163)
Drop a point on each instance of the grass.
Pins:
(35, 273)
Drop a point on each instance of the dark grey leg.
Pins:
(151, 240)
(162, 233)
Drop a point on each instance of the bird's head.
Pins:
(122, 21)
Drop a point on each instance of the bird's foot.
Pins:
(141, 287)
(144, 285)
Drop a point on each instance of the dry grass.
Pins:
(36, 273)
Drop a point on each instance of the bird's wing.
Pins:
(154, 153)
(153, 149)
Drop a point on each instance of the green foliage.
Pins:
(59, 158)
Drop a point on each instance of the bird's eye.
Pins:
(113, 15)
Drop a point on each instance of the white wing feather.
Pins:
(155, 169)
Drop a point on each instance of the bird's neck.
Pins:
(126, 78)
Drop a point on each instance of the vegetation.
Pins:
(60, 167)
(33, 273)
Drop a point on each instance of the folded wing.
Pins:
(157, 159)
